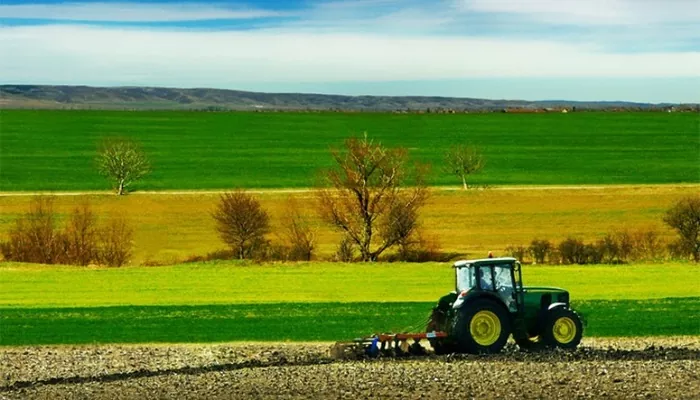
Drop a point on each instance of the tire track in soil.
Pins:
(144, 373)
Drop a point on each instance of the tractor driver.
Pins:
(485, 279)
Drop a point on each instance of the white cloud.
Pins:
(593, 12)
(111, 56)
(131, 12)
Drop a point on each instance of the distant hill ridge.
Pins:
(158, 98)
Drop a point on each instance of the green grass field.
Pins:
(35, 286)
(316, 301)
(54, 150)
(305, 321)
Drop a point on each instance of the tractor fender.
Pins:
(543, 313)
(557, 305)
(462, 301)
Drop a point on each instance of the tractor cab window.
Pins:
(503, 279)
(504, 285)
(485, 278)
(465, 278)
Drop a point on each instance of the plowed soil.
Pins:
(667, 368)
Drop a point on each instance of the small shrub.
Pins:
(78, 241)
(34, 238)
(401, 227)
(154, 263)
(609, 249)
(540, 250)
(300, 237)
(425, 248)
(625, 245)
(647, 245)
(213, 256)
(518, 252)
(555, 256)
(677, 249)
(593, 254)
(193, 258)
(269, 251)
(572, 251)
(345, 251)
(115, 243)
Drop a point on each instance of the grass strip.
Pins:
(303, 321)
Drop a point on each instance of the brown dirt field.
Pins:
(169, 227)
(650, 368)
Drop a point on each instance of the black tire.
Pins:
(562, 329)
(487, 319)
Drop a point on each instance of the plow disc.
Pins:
(383, 345)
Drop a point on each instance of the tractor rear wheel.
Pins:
(482, 327)
(562, 329)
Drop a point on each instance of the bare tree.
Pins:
(462, 161)
(123, 162)
(361, 194)
(241, 222)
(684, 217)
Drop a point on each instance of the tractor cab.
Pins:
(497, 276)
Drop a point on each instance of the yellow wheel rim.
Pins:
(564, 330)
(485, 328)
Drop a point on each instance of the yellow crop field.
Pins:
(169, 227)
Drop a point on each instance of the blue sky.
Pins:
(637, 50)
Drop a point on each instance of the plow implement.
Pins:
(384, 345)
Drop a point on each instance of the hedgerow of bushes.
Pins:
(37, 237)
(619, 247)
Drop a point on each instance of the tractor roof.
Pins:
(484, 262)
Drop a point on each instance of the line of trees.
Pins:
(371, 196)
(123, 162)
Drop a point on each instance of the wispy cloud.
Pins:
(133, 12)
(592, 12)
(105, 43)
(212, 58)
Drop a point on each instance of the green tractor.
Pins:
(490, 303)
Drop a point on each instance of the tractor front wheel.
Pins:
(482, 327)
(562, 329)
